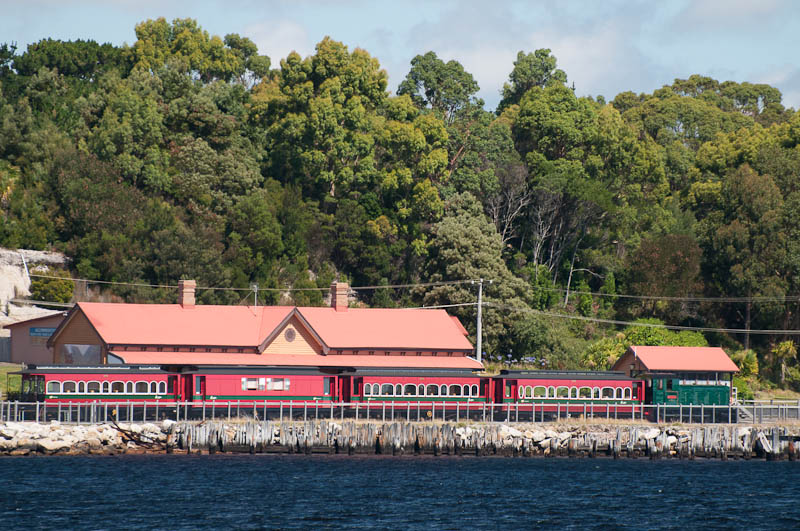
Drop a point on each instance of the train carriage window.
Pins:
(410, 390)
(69, 387)
(141, 387)
(433, 390)
(466, 390)
(153, 388)
(376, 389)
(619, 392)
(474, 390)
(53, 387)
(627, 393)
(455, 390)
(562, 392)
(608, 392)
(117, 387)
(528, 391)
(443, 390)
(171, 384)
(106, 387)
(367, 390)
(326, 386)
(129, 387)
(573, 392)
(421, 390)
(521, 391)
(387, 389)
(162, 388)
(93, 387)
(540, 392)
(551, 392)
(398, 390)
(81, 387)
(596, 392)
(585, 392)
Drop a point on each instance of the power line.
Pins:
(213, 288)
(650, 325)
(785, 298)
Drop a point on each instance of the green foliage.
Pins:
(537, 69)
(747, 361)
(743, 388)
(45, 288)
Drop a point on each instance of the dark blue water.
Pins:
(279, 492)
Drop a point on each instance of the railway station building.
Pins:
(324, 337)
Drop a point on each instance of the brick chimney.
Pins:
(186, 293)
(339, 292)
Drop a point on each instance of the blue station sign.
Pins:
(41, 331)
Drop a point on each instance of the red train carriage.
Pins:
(258, 383)
(571, 389)
(76, 384)
(414, 385)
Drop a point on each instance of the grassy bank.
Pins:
(9, 382)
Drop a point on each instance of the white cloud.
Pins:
(278, 39)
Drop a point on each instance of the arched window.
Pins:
(551, 392)
(53, 387)
(81, 387)
(521, 391)
(585, 392)
(608, 392)
(93, 387)
(129, 387)
(443, 390)
(421, 390)
(573, 392)
(475, 390)
(596, 392)
(410, 390)
(367, 390)
(141, 387)
(455, 390)
(162, 388)
(153, 388)
(628, 393)
(432, 390)
(540, 391)
(106, 387)
(117, 387)
(398, 390)
(69, 387)
(562, 392)
(619, 392)
(376, 389)
(387, 389)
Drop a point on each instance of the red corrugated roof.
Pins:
(288, 360)
(244, 326)
(684, 359)
(386, 328)
(171, 324)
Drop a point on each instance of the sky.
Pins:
(605, 46)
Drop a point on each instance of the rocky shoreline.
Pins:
(403, 438)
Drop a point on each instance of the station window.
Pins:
(53, 387)
(432, 390)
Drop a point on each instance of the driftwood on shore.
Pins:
(404, 438)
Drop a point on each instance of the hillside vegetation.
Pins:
(187, 155)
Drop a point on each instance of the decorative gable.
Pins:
(293, 337)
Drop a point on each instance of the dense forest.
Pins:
(187, 155)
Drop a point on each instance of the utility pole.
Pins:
(480, 324)
(254, 287)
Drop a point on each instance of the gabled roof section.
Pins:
(682, 359)
(171, 324)
(35, 319)
(386, 328)
(279, 327)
